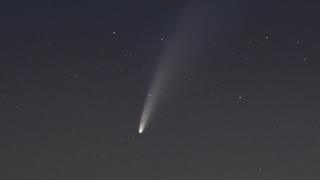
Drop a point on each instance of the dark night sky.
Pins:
(244, 103)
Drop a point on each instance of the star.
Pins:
(75, 76)
(240, 97)
(260, 170)
(17, 107)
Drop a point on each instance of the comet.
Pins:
(166, 70)
(160, 83)
(180, 48)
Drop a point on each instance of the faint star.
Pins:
(84, 107)
(244, 59)
(275, 122)
(164, 147)
(59, 60)
(3, 96)
(75, 75)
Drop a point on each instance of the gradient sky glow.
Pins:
(221, 89)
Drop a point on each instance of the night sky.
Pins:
(241, 101)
